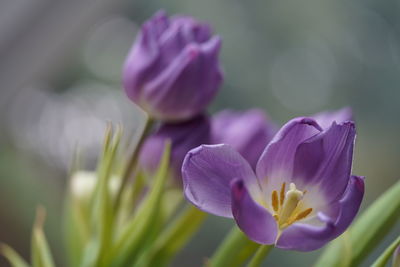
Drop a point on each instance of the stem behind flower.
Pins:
(260, 255)
(235, 249)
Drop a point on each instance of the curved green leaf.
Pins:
(385, 256)
(12, 256)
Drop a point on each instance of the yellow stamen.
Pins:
(303, 214)
(282, 196)
(275, 204)
(293, 197)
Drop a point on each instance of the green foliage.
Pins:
(133, 237)
(385, 256)
(365, 233)
(12, 256)
(234, 250)
(40, 253)
(174, 237)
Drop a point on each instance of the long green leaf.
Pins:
(41, 254)
(365, 233)
(134, 235)
(385, 256)
(101, 206)
(12, 256)
(76, 231)
(106, 213)
(179, 232)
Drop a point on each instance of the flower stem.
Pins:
(234, 250)
(260, 255)
(132, 163)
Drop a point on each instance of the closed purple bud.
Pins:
(172, 70)
(248, 132)
(183, 136)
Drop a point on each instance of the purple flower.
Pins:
(172, 71)
(248, 132)
(183, 136)
(302, 194)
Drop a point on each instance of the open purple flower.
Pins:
(173, 71)
(248, 132)
(183, 136)
(302, 195)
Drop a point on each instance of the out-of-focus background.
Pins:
(60, 68)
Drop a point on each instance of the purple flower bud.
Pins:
(248, 132)
(172, 70)
(183, 136)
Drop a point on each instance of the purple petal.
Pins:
(193, 30)
(193, 75)
(326, 118)
(276, 162)
(141, 63)
(326, 159)
(207, 172)
(253, 219)
(246, 131)
(306, 237)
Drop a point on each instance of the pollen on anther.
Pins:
(303, 214)
(282, 195)
(275, 204)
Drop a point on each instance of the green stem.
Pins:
(260, 255)
(234, 250)
(384, 258)
(133, 160)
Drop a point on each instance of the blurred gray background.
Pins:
(60, 68)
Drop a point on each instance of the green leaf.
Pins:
(385, 256)
(41, 255)
(12, 256)
(365, 233)
(129, 200)
(105, 213)
(134, 235)
(234, 250)
(76, 231)
(178, 233)
(76, 214)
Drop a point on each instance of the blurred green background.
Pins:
(60, 74)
